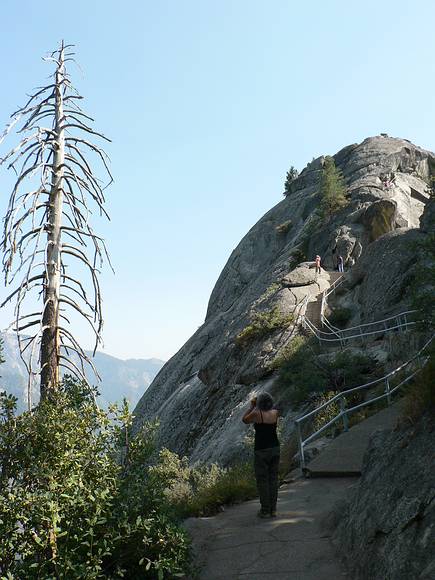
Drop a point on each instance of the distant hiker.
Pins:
(317, 261)
(266, 452)
(340, 264)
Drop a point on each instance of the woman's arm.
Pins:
(251, 414)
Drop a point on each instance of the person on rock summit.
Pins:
(317, 261)
(266, 451)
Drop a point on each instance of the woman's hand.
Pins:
(250, 413)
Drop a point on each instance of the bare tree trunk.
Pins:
(47, 230)
(50, 344)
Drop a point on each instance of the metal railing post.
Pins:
(301, 447)
(387, 390)
(343, 412)
(399, 323)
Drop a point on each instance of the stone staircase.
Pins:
(314, 309)
(343, 457)
(313, 312)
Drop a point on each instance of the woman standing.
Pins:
(266, 451)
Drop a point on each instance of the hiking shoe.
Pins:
(263, 515)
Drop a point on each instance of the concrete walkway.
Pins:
(237, 545)
(344, 455)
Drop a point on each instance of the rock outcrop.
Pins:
(199, 394)
(387, 529)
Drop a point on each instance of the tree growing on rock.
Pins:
(292, 174)
(48, 244)
(332, 188)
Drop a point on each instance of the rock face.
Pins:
(387, 529)
(199, 394)
(427, 220)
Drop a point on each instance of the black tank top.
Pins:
(265, 435)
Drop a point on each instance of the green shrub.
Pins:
(270, 291)
(299, 374)
(291, 175)
(287, 352)
(299, 255)
(349, 369)
(339, 317)
(284, 227)
(327, 413)
(302, 373)
(263, 323)
(201, 490)
(332, 188)
(76, 496)
(232, 485)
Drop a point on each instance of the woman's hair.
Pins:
(264, 402)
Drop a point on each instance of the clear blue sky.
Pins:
(208, 103)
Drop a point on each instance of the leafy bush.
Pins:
(76, 496)
(299, 254)
(284, 227)
(327, 413)
(270, 291)
(332, 188)
(202, 489)
(287, 352)
(339, 317)
(349, 369)
(263, 323)
(302, 373)
(299, 374)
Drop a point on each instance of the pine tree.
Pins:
(292, 174)
(332, 188)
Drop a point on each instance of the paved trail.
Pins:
(236, 545)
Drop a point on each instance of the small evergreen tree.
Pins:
(292, 174)
(332, 188)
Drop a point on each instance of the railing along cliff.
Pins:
(343, 398)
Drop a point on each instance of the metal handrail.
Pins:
(340, 338)
(336, 330)
(334, 285)
(302, 304)
(341, 335)
(344, 410)
(379, 321)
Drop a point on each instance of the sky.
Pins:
(208, 103)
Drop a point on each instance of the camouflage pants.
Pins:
(266, 464)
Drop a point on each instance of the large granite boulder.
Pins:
(427, 220)
(270, 271)
(380, 284)
(387, 529)
(303, 275)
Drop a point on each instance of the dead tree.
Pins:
(46, 227)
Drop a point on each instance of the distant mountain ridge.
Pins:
(119, 378)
